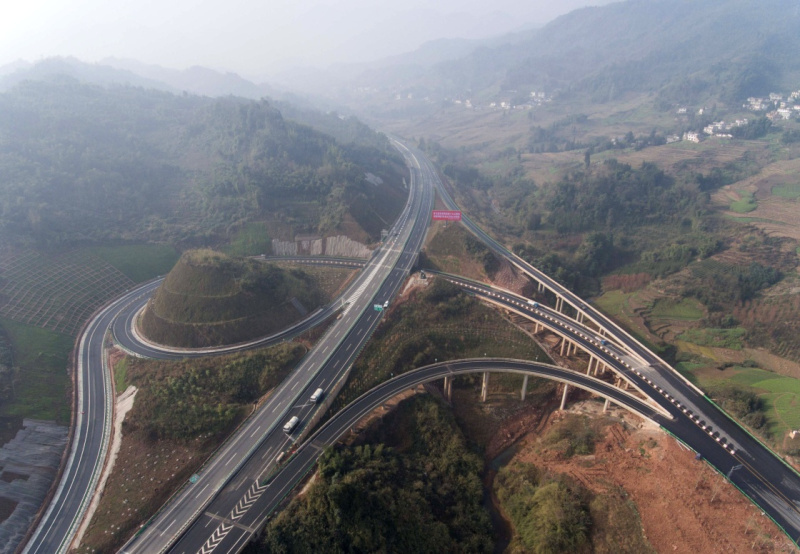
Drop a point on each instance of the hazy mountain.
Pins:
(70, 67)
(679, 48)
(196, 80)
(14, 66)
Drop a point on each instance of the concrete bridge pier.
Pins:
(448, 388)
(524, 388)
(592, 362)
(564, 397)
(485, 386)
(606, 405)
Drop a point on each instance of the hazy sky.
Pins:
(253, 37)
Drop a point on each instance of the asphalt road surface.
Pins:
(208, 509)
(267, 494)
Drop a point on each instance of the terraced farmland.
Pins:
(57, 292)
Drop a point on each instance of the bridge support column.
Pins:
(592, 360)
(606, 405)
(524, 388)
(559, 303)
(540, 288)
(564, 397)
(448, 388)
(485, 386)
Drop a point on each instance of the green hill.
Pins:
(84, 163)
(210, 299)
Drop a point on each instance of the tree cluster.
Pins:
(422, 495)
(616, 195)
(184, 400)
(550, 513)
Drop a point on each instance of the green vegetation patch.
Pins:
(613, 302)
(413, 487)
(573, 435)
(121, 375)
(746, 203)
(719, 338)
(549, 513)
(744, 404)
(186, 399)
(616, 525)
(686, 309)
(454, 250)
(766, 402)
(41, 382)
(789, 190)
(124, 163)
(251, 240)
(139, 262)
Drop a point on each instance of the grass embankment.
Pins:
(746, 203)
(453, 249)
(183, 411)
(210, 299)
(766, 402)
(437, 323)
(413, 486)
(41, 382)
(685, 309)
(139, 262)
(251, 240)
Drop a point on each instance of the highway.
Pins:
(127, 337)
(273, 487)
(229, 502)
(207, 511)
(93, 414)
(759, 473)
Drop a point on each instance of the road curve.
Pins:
(280, 482)
(93, 416)
(198, 515)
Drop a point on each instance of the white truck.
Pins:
(291, 424)
(317, 396)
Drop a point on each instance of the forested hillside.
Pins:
(83, 163)
(685, 51)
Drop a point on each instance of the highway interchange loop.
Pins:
(243, 483)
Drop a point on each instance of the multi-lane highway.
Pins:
(264, 496)
(207, 512)
(92, 421)
(237, 488)
(759, 473)
(93, 413)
